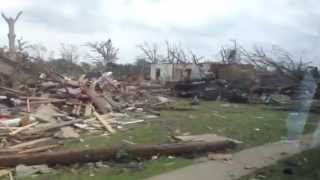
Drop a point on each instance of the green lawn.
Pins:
(252, 124)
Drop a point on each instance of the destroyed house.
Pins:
(232, 71)
(177, 72)
(185, 72)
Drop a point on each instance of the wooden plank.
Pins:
(48, 101)
(130, 122)
(54, 127)
(36, 98)
(10, 176)
(38, 149)
(104, 123)
(88, 110)
(23, 128)
(28, 106)
(12, 90)
(4, 172)
(205, 138)
(29, 143)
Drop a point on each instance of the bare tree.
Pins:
(69, 52)
(104, 52)
(175, 54)
(280, 61)
(151, 52)
(11, 35)
(86, 67)
(22, 45)
(231, 54)
(172, 53)
(195, 58)
(37, 51)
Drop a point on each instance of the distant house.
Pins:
(177, 72)
(233, 72)
(182, 72)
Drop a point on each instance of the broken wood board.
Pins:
(8, 151)
(130, 122)
(4, 172)
(23, 128)
(104, 122)
(57, 126)
(38, 149)
(29, 143)
(88, 110)
(48, 101)
(205, 138)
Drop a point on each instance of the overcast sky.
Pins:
(198, 25)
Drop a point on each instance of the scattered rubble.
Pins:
(24, 171)
(33, 116)
(67, 132)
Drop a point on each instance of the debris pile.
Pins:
(34, 117)
(275, 91)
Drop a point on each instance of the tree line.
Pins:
(103, 56)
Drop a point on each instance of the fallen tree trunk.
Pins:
(94, 155)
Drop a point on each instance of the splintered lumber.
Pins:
(12, 90)
(104, 123)
(48, 101)
(130, 122)
(103, 154)
(38, 149)
(57, 126)
(28, 106)
(102, 105)
(205, 138)
(10, 176)
(29, 143)
(23, 128)
(88, 110)
(98, 100)
(8, 151)
(4, 172)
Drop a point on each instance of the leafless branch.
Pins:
(104, 52)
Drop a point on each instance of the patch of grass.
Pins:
(152, 167)
(252, 124)
(146, 134)
(304, 166)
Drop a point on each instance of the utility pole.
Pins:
(11, 35)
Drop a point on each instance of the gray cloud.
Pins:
(291, 24)
(50, 14)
